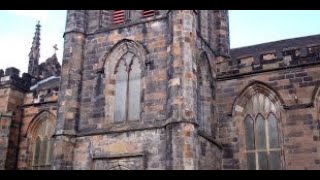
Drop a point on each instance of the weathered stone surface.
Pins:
(51, 67)
(195, 93)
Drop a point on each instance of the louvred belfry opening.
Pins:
(147, 13)
(118, 16)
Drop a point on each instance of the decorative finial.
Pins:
(38, 25)
(55, 47)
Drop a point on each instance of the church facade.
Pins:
(162, 90)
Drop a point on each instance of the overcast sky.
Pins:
(246, 28)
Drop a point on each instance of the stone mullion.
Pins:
(127, 93)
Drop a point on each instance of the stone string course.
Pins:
(171, 134)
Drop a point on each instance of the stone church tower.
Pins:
(138, 89)
(158, 89)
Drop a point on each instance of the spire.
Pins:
(34, 54)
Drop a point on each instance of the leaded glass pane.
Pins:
(249, 133)
(251, 161)
(121, 92)
(50, 152)
(43, 152)
(263, 160)
(273, 132)
(134, 91)
(260, 133)
(36, 152)
(275, 160)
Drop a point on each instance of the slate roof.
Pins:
(277, 46)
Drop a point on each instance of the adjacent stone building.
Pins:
(159, 89)
(28, 108)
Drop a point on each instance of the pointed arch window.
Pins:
(41, 140)
(128, 89)
(205, 94)
(262, 135)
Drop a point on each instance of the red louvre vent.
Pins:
(118, 16)
(147, 13)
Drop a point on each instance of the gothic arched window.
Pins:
(42, 130)
(263, 149)
(127, 89)
(205, 94)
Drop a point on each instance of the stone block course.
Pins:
(179, 125)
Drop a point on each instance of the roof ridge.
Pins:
(277, 41)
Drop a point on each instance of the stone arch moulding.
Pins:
(202, 54)
(37, 120)
(120, 49)
(205, 87)
(315, 101)
(315, 98)
(251, 89)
